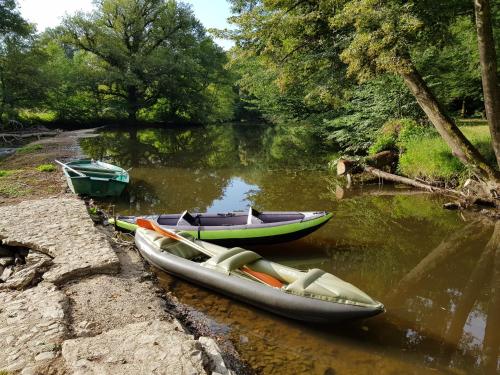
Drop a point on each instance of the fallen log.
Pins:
(11, 137)
(380, 160)
(402, 180)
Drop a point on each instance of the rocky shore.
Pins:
(81, 305)
(73, 300)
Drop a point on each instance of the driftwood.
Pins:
(13, 137)
(383, 160)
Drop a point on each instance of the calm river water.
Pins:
(427, 265)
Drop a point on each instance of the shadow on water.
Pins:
(438, 275)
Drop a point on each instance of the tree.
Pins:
(362, 39)
(489, 71)
(155, 53)
(20, 81)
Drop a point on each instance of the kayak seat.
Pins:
(300, 285)
(232, 260)
(173, 247)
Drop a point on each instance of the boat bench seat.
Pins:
(232, 260)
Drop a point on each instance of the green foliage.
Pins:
(370, 106)
(4, 173)
(46, 168)
(28, 149)
(153, 59)
(427, 156)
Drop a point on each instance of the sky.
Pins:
(48, 13)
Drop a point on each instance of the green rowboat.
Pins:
(95, 178)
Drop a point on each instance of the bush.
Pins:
(395, 133)
(46, 168)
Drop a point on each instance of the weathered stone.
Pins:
(24, 276)
(22, 336)
(215, 355)
(6, 261)
(6, 274)
(142, 348)
(62, 229)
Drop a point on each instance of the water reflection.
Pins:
(438, 276)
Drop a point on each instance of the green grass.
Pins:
(8, 172)
(32, 115)
(430, 158)
(46, 168)
(29, 149)
(13, 190)
(4, 173)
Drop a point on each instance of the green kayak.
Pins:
(238, 227)
(95, 178)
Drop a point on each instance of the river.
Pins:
(427, 265)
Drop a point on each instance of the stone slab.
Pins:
(61, 228)
(155, 347)
(32, 327)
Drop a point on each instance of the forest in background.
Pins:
(347, 71)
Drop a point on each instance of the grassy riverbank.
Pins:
(430, 158)
(423, 154)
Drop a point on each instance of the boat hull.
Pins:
(99, 180)
(259, 295)
(236, 235)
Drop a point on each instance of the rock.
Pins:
(62, 229)
(45, 356)
(215, 355)
(452, 206)
(6, 261)
(27, 275)
(140, 348)
(6, 274)
(31, 323)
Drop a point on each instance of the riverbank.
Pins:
(83, 301)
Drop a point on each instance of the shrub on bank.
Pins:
(46, 168)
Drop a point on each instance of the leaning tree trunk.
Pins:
(446, 127)
(488, 58)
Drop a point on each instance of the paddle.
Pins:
(71, 169)
(262, 277)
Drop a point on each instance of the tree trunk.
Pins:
(132, 103)
(446, 127)
(488, 58)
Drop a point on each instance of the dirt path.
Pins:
(20, 179)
